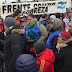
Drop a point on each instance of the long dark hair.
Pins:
(16, 12)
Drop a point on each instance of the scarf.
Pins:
(60, 46)
(31, 25)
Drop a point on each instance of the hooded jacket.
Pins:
(13, 48)
(57, 24)
(45, 61)
(57, 28)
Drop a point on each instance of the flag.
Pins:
(61, 5)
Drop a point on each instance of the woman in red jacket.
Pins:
(45, 57)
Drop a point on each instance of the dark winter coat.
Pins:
(13, 47)
(1, 42)
(63, 61)
(26, 63)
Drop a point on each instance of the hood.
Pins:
(14, 29)
(20, 31)
(26, 63)
(47, 55)
(57, 23)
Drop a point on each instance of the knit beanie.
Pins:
(32, 33)
(52, 16)
(26, 63)
(39, 47)
(9, 21)
(65, 35)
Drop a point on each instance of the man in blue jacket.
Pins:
(55, 28)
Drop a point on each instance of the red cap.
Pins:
(65, 35)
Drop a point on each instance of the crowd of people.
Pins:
(31, 43)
